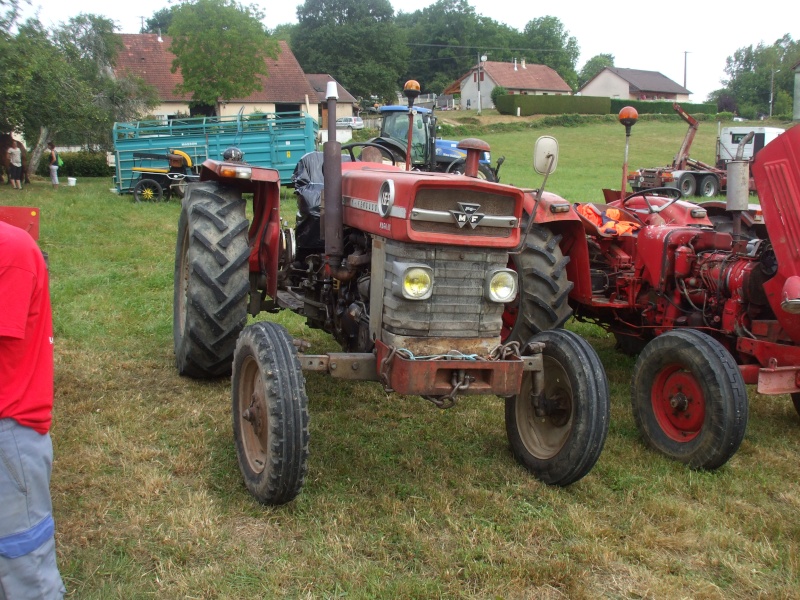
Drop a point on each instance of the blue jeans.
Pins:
(27, 546)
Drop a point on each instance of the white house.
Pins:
(516, 78)
(634, 84)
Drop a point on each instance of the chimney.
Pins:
(515, 64)
(159, 35)
(523, 64)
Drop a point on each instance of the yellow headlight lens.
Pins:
(417, 283)
(502, 286)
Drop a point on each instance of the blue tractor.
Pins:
(428, 153)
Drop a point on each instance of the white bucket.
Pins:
(71, 181)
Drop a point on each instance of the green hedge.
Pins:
(78, 164)
(552, 105)
(590, 105)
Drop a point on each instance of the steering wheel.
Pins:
(384, 150)
(674, 193)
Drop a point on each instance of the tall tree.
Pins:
(756, 74)
(549, 43)
(355, 41)
(221, 48)
(593, 66)
(160, 21)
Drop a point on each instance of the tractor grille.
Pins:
(432, 212)
(457, 307)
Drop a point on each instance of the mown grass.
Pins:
(402, 500)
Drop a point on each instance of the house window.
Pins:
(475, 76)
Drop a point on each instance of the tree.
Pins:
(550, 44)
(593, 66)
(221, 48)
(498, 91)
(355, 41)
(757, 73)
(160, 21)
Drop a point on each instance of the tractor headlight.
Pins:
(501, 285)
(417, 283)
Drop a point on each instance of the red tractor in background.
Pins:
(408, 271)
(709, 298)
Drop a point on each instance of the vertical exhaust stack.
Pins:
(332, 190)
(738, 193)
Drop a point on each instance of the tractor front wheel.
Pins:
(558, 434)
(211, 280)
(542, 299)
(689, 399)
(270, 414)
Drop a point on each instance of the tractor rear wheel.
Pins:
(796, 401)
(687, 184)
(270, 413)
(558, 435)
(212, 281)
(484, 171)
(542, 299)
(689, 399)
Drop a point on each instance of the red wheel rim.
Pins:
(678, 404)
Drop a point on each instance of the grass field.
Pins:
(402, 500)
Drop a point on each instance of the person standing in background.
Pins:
(28, 566)
(15, 160)
(53, 164)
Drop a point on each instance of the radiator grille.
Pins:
(445, 200)
(457, 307)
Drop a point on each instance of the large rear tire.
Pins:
(689, 399)
(211, 281)
(542, 300)
(559, 435)
(270, 414)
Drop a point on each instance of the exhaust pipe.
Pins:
(332, 189)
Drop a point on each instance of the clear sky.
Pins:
(655, 38)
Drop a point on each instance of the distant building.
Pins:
(286, 89)
(346, 104)
(796, 111)
(634, 84)
(515, 77)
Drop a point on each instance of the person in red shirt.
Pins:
(27, 544)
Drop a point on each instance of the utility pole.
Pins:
(685, 56)
(480, 59)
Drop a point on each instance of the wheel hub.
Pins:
(678, 404)
(253, 415)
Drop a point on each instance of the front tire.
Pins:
(689, 399)
(542, 300)
(270, 414)
(211, 280)
(559, 435)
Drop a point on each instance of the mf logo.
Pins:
(468, 214)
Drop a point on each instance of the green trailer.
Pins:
(142, 148)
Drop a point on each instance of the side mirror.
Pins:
(545, 155)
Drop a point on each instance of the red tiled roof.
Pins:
(145, 56)
(528, 77)
(319, 81)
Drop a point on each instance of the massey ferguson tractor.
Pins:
(708, 295)
(409, 271)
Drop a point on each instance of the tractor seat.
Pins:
(607, 221)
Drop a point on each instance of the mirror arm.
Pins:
(539, 192)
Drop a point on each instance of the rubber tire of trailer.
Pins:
(270, 413)
(148, 190)
(211, 280)
(542, 299)
(561, 446)
(686, 365)
(687, 184)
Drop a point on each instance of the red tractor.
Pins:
(408, 271)
(708, 297)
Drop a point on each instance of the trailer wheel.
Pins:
(542, 300)
(689, 399)
(709, 186)
(148, 190)
(687, 184)
(211, 281)
(558, 435)
(270, 414)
